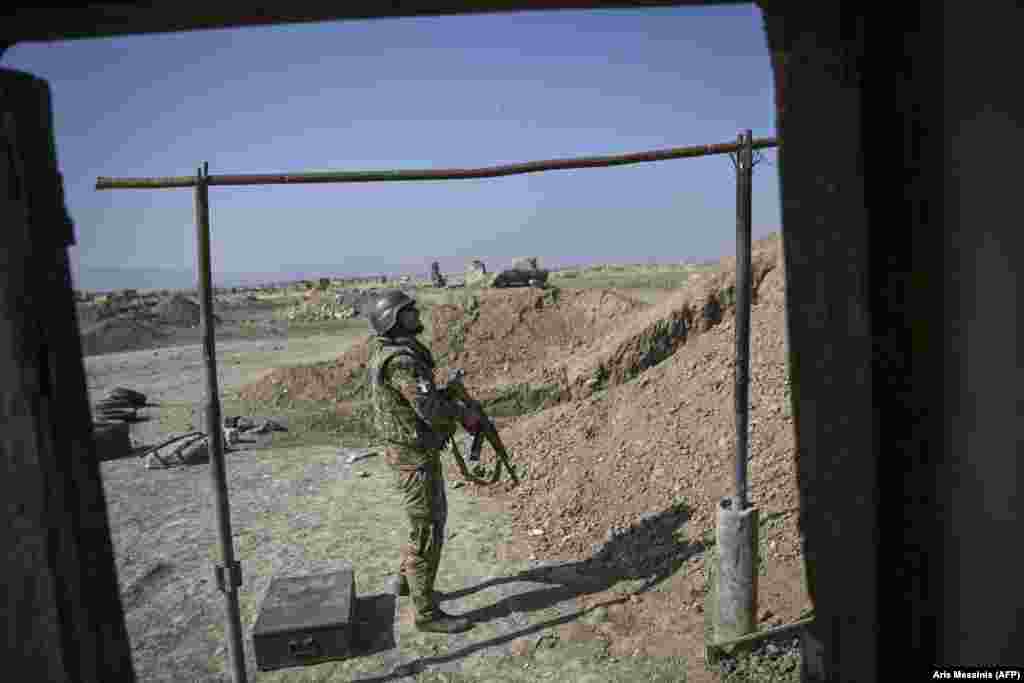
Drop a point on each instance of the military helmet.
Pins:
(383, 309)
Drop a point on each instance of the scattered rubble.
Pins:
(319, 306)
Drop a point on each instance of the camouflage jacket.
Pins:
(411, 416)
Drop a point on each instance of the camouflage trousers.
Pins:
(426, 506)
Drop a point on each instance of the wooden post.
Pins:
(229, 574)
(408, 175)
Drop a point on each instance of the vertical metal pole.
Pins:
(742, 371)
(228, 575)
(737, 525)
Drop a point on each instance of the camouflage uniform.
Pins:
(413, 420)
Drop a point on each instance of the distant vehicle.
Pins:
(520, 278)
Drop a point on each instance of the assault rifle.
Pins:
(486, 429)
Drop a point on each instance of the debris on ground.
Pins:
(252, 425)
(120, 404)
(178, 451)
(319, 306)
(354, 455)
(768, 661)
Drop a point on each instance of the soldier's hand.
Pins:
(473, 417)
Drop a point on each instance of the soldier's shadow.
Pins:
(650, 552)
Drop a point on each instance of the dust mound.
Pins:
(501, 337)
(659, 332)
(598, 464)
(343, 378)
(123, 333)
(179, 311)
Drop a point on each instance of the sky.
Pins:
(425, 92)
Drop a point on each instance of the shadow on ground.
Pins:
(635, 560)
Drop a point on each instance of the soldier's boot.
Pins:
(442, 622)
(399, 585)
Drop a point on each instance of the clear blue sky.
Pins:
(413, 93)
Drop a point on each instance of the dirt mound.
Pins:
(179, 311)
(667, 436)
(123, 333)
(501, 337)
(603, 462)
(338, 380)
(498, 337)
(657, 333)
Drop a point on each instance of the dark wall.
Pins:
(980, 504)
(62, 618)
(898, 146)
(827, 242)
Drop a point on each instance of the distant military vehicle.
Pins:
(520, 278)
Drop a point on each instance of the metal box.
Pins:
(306, 620)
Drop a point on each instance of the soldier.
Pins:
(414, 419)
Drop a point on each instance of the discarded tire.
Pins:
(130, 396)
(120, 404)
(112, 439)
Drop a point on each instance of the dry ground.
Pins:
(615, 403)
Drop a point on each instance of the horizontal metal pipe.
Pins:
(103, 183)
